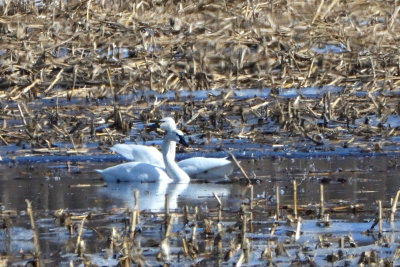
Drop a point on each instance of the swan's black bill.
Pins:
(154, 127)
(182, 141)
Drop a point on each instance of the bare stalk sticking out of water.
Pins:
(394, 206)
(240, 167)
(133, 224)
(164, 253)
(322, 205)
(78, 240)
(166, 207)
(380, 218)
(219, 207)
(137, 209)
(35, 234)
(298, 229)
(295, 198)
(277, 202)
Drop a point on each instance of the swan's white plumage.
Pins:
(147, 172)
(206, 168)
(196, 167)
(140, 153)
(163, 164)
(135, 172)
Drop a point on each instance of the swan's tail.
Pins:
(99, 171)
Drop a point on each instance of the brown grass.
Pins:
(104, 49)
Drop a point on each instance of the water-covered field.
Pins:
(64, 194)
(305, 94)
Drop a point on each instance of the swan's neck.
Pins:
(171, 167)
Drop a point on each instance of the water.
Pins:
(55, 185)
(78, 189)
(59, 181)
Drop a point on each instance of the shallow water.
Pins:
(54, 185)
(76, 187)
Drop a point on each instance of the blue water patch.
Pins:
(392, 121)
(205, 94)
(250, 93)
(312, 92)
(243, 154)
(60, 52)
(330, 48)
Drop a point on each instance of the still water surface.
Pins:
(76, 187)
(52, 186)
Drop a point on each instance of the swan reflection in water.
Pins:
(152, 195)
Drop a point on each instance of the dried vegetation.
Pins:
(53, 52)
(76, 72)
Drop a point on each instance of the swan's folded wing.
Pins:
(135, 172)
(140, 153)
(206, 168)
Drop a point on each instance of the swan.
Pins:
(148, 172)
(196, 167)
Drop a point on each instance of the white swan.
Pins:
(195, 167)
(147, 172)
(135, 172)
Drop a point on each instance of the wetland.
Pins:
(305, 94)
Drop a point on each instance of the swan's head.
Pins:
(176, 136)
(167, 124)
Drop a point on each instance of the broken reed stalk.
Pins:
(110, 81)
(239, 166)
(164, 245)
(87, 11)
(251, 197)
(196, 213)
(298, 228)
(218, 241)
(380, 218)
(21, 114)
(166, 208)
(321, 203)
(186, 214)
(243, 230)
(193, 237)
(277, 202)
(240, 260)
(394, 206)
(318, 11)
(78, 240)
(3, 140)
(58, 77)
(137, 208)
(133, 224)
(169, 225)
(295, 198)
(219, 206)
(185, 247)
(125, 259)
(341, 242)
(35, 234)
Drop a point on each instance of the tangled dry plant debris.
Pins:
(55, 52)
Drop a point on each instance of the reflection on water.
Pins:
(152, 195)
(51, 186)
(78, 188)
